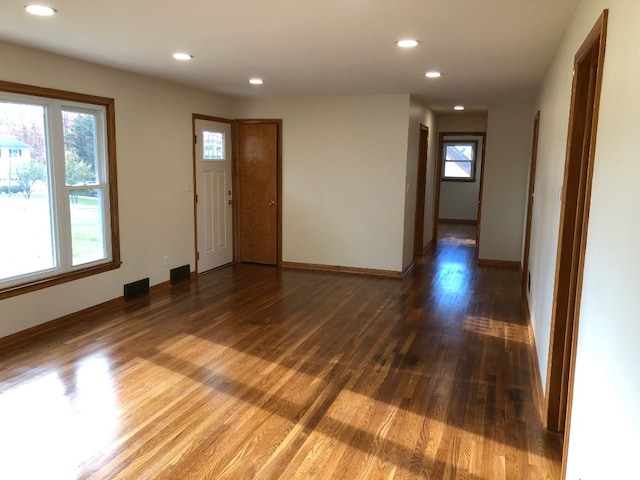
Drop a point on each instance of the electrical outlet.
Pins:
(166, 260)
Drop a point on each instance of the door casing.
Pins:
(421, 190)
(572, 237)
(438, 179)
(531, 198)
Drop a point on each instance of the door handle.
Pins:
(273, 203)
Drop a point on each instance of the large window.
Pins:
(459, 160)
(58, 198)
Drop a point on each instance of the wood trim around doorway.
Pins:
(421, 190)
(530, 200)
(572, 237)
(438, 181)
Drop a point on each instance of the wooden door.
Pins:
(258, 195)
(214, 216)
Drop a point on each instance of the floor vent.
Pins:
(136, 289)
(180, 274)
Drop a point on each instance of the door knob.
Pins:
(273, 203)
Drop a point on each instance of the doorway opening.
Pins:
(237, 191)
(459, 179)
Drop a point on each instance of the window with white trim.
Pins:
(58, 207)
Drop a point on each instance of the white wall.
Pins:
(459, 200)
(419, 114)
(154, 158)
(605, 420)
(344, 174)
(462, 122)
(344, 177)
(507, 158)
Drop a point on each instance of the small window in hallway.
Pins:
(459, 161)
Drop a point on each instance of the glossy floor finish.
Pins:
(251, 372)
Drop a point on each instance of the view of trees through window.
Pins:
(34, 215)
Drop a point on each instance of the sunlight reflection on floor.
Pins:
(63, 423)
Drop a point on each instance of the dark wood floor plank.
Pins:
(254, 373)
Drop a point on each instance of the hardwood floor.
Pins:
(251, 372)
(462, 233)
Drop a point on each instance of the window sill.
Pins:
(43, 283)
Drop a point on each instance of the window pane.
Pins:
(87, 232)
(212, 145)
(460, 152)
(79, 147)
(26, 241)
(457, 169)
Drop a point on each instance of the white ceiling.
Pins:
(490, 51)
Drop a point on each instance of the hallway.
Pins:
(251, 372)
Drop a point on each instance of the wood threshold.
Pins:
(427, 247)
(458, 221)
(408, 269)
(485, 262)
(342, 269)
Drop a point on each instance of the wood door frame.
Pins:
(208, 118)
(530, 196)
(278, 123)
(572, 236)
(438, 179)
(481, 190)
(421, 191)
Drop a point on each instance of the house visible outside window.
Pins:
(58, 204)
(459, 161)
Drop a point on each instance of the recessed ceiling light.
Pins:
(182, 56)
(407, 43)
(256, 81)
(433, 74)
(458, 107)
(40, 10)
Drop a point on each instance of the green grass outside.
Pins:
(28, 246)
(86, 230)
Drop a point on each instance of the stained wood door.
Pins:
(214, 216)
(258, 195)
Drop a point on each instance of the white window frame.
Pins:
(452, 143)
(55, 102)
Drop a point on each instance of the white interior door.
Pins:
(213, 194)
